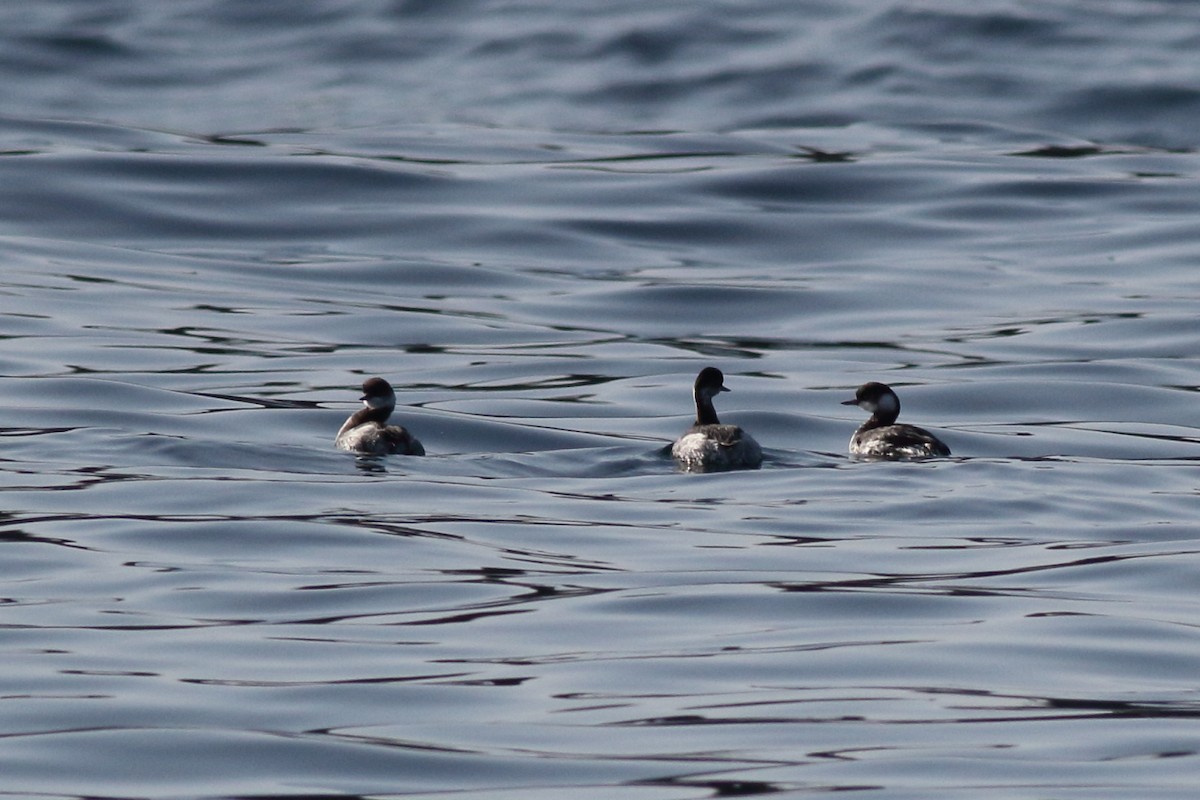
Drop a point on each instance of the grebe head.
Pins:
(877, 398)
(710, 382)
(378, 393)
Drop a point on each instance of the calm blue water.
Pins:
(539, 221)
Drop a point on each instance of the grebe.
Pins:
(366, 430)
(880, 436)
(709, 445)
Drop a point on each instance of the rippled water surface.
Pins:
(539, 221)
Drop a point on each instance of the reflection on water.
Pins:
(193, 574)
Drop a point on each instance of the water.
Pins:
(539, 221)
